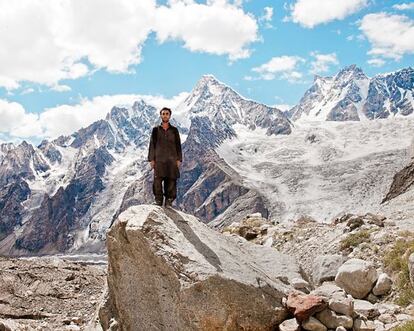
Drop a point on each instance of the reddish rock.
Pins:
(302, 306)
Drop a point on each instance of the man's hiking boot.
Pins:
(157, 202)
(168, 203)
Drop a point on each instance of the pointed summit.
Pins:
(208, 85)
(351, 72)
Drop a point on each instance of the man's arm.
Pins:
(178, 146)
(151, 150)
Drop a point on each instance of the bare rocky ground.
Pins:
(320, 248)
(49, 293)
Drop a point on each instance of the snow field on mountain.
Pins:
(323, 168)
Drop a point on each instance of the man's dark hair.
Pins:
(167, 109)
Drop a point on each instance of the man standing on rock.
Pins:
(165, 157)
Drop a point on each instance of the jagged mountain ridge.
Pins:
(66, 192)
(70, 194)
(351, 95)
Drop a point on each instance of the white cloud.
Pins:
(16, 121)
(404, 6)
(267, 17)
(282, 67)
(391, 36)
(46, 41)
(322, 62)
(61, 88)
(268, 14)
(65, 119)
(27, 91)
(218, 27)
(310, 13)
(376, 62)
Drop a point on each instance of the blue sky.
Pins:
(65, 63)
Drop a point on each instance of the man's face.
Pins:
(165, 115)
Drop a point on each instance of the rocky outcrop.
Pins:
(351, 250)
(169, 271)
(11, 209)
(50, 226)
(402, 182)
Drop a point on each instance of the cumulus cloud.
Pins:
(282, 67)
(16, 121)
(310, 13)
(65, 119)
(375, 62)
(266, 18)
(46, 41)
(218, 27)
(391, 36)
(322, 62)
(404, 6)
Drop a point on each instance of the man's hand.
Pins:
(152, 164)
(178, 163)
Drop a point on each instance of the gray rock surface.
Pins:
(191, 277)
(326, 267)
(357, 277)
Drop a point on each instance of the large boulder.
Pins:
(169, 271)
(357, 277)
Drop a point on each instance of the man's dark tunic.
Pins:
(165, 149)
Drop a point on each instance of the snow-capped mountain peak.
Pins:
(224, 107)
(351, 95)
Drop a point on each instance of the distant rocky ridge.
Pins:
(57, 187)
(63, 194)
(352, 96)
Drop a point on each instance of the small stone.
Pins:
(289, 325)
(403, 317)
(327, 290)
(386, 318)
(361, 325)
(372, 298)
(342, 304)
(388, 308)
(330, 319)
(366, 308)
(340, 328)
(302, 306)
(312, 324)
(383, 285)
(299, 283)
(379, 326)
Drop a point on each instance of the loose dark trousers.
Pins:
(170, 188)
